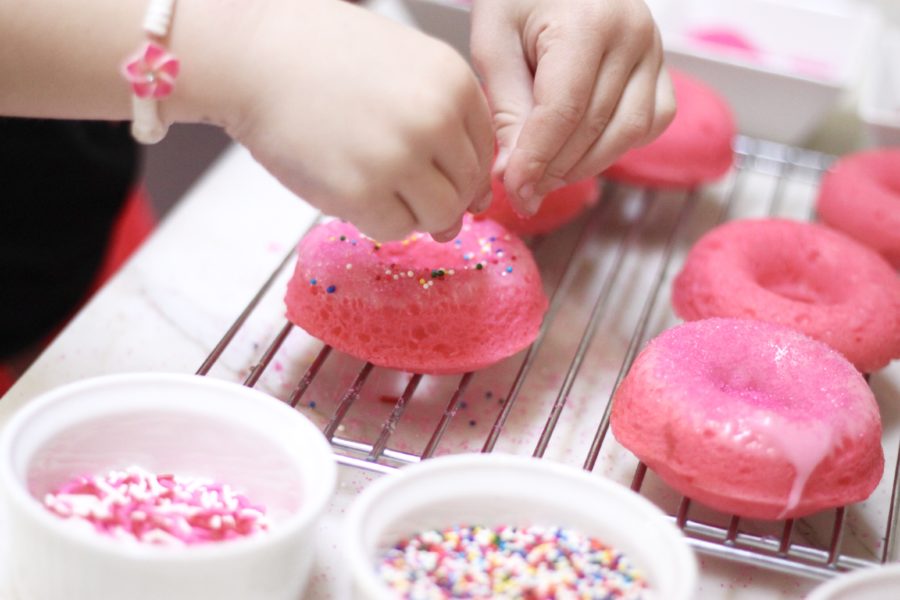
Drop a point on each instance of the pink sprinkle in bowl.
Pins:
(186, 425)
(502, 489)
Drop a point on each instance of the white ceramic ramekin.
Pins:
(878, 583)
(186, 425)
(495, 489)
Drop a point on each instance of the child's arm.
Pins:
(366, 119)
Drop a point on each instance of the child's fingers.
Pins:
(563, 85)
(631, 124)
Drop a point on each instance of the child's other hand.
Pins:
(572, 84)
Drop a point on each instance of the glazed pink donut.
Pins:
(801, 275)
(861, 197)
(694, 149)
(418, 305)
(557, 209)
(751, 418)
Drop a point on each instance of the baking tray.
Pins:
(608, 276)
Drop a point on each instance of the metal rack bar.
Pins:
(637, 479)
(309, 375)
(596, 314)
(733, 527)
(365, 465)
(347, 400)
(741, 164)
(837, 536)
(390, 425)
(555, 302)
(893, 507)
(363, 450)
(785, 543)
(448, 415)
(640, 331)
(257, 371)
(770, 545)
(776, 199)
(756, 559)
(683, 509)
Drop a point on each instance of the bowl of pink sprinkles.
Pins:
(163, 509)
(148, 486)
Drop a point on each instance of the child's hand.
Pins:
(572, 84)
(368, 120)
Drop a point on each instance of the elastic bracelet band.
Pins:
(151, 71)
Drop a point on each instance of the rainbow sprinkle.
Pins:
(158, 509)
(535, 563)
(426, 277)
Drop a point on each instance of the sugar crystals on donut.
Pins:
(800, 275)
(751, 418)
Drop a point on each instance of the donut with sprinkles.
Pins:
(418, 305)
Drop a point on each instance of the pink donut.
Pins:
(861, 197)
(558, 207)
(694, 149)
(801, 275)
(751, 418)
(418, 305)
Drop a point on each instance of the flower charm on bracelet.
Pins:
(152, 72)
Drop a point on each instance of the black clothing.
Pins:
(62, 185)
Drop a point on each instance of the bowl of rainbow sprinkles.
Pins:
(502, 526)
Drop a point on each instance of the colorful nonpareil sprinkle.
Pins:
(535, 563)
(158, 509)
(491, 258)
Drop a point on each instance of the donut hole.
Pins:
(891, 185)
(749, 387)
(806, 282)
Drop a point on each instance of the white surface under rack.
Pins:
(608, 276)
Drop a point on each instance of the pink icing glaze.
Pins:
(861, 197)
(694, 149)
(800, 275)
(751, 418)
(416, 304)
(735, 44)
(558, 208)
(725, 38)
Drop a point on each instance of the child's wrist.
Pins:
(208, 37)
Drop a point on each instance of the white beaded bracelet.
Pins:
(152, 72)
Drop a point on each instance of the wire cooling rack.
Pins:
(767, 179)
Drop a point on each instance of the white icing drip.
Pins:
(804, 445)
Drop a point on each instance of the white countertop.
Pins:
(169, 306)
